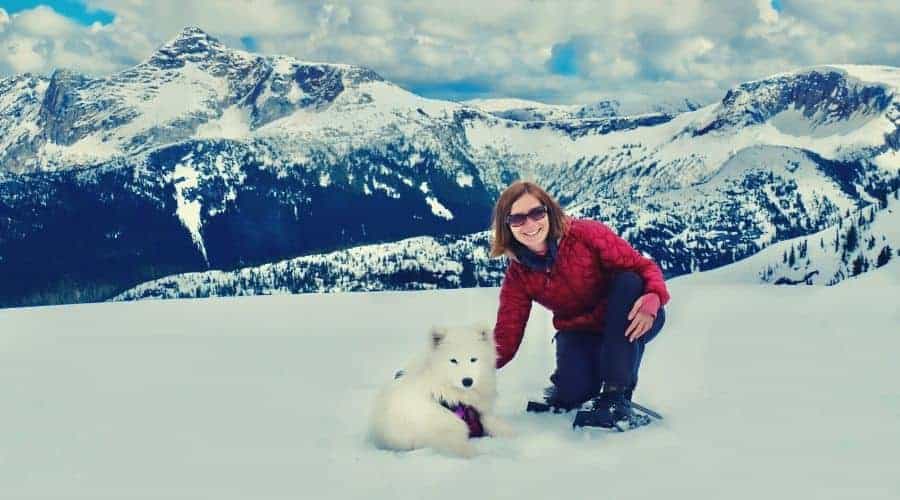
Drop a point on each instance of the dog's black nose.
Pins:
(467, 382)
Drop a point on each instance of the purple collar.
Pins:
(470, 416)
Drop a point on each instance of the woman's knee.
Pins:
(628, 282)
(658, 323)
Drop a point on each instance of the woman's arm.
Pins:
(512, 315)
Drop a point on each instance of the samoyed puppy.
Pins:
(443, 398)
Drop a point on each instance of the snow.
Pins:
(778, 160)
(295, 94)
(889, 160)
(363, 115)
(184, 179)
(503, 104)
(233, 124)
(192, 90)
(464, 180)
(86, 150)
(768, 392)
(437, 208)
(880, 75)
(792, 122)
(507, 104)
(388, 190)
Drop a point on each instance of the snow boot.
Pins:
(549, 402)
(611, 410)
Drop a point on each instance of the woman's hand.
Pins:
(641, 322)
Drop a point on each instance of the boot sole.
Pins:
(594, 419)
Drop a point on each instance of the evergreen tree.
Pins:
(852, 239)
(859, 265)
(884, 256)
(792, 259)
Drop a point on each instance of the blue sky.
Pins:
(72, 9)
(567, 52)
(563, 59)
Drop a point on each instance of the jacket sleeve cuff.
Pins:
(650, 304)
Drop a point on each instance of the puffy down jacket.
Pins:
(574, 288)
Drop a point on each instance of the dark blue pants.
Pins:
(585, 360)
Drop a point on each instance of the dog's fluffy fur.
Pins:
(408, 413)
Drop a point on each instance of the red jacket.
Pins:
(574, 288)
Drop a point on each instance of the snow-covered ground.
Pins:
(768, 392)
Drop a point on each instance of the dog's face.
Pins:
(465, 356)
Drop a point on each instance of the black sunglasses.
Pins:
(535, 214)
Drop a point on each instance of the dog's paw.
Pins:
(497, 427)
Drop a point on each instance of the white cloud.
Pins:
(40, 40)
(23, 56)
(767, 13)
(4, 19)
(496, 48)
(165, 18)
(43, 21)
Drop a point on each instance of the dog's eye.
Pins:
(473, 360)
(453, 360)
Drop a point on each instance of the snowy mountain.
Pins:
(205, 157)
(524, 110)
(191, 87)
(768, 393)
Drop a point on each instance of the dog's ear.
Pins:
(437, 335)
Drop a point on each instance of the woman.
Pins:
(605, 297)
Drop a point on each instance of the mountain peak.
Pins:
(192, 35)
(192, 44)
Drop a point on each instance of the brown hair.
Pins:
(503, 239)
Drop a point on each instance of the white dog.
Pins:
(430, 404)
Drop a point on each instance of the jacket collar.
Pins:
(526, 257)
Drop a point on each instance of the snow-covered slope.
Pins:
(767, 392)
(864, 241)
(422, 263)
